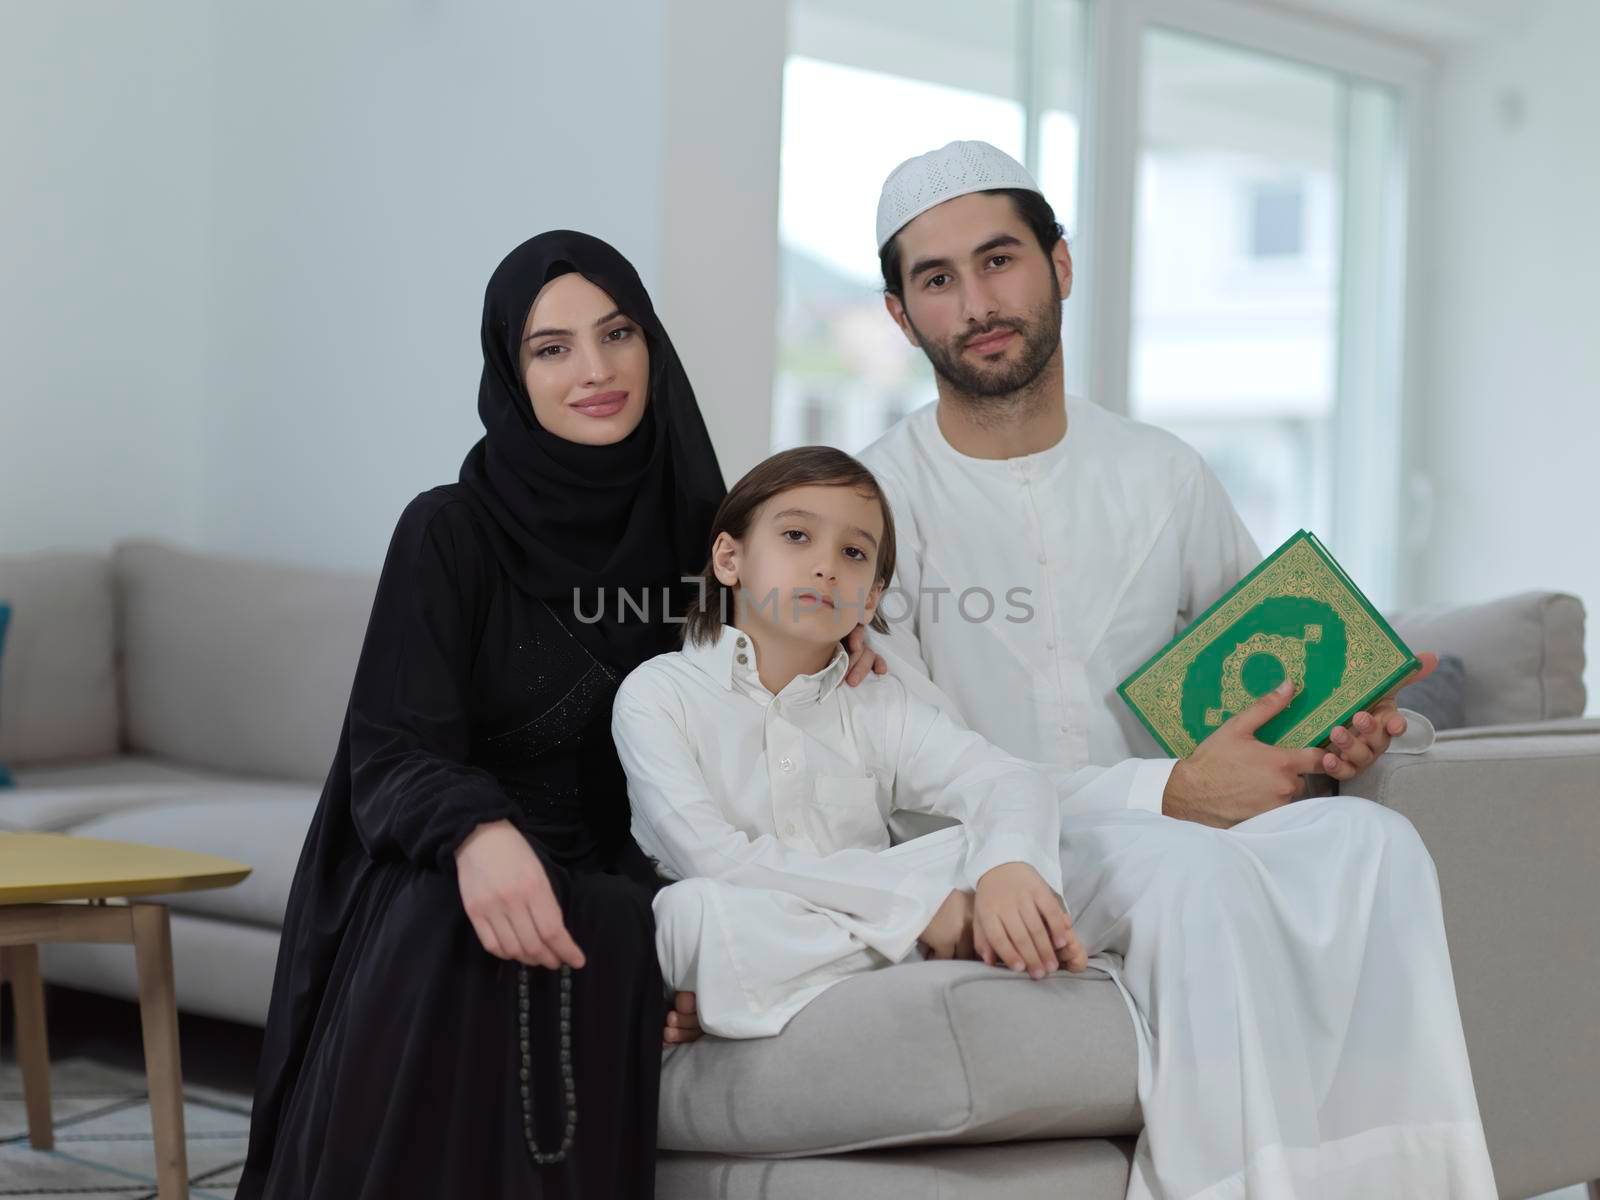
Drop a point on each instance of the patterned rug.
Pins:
(104, 1149)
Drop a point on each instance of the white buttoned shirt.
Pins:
(790, 795)
(1094, 552)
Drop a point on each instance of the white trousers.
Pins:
(1288, 979)
(1290, 984)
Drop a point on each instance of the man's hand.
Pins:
(1351, 751)
(683, 1021)
(1233, 775)
(949, 934)
(864, 660)
(509, 901)
(1020, 921)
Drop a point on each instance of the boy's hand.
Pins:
(683, 1021)
(1020, 921)
(949, 934)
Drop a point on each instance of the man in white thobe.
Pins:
(1285, 963)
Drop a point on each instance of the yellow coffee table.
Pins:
(38, 872)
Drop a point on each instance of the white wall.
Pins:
(103, 217)
(245, 245)
(719, 191)
(1511, 431)
(371, 163)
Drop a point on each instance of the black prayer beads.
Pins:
(569, 1091)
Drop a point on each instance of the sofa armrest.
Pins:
(1511, 817)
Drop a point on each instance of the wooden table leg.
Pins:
(158, 1012)
(33, 1043)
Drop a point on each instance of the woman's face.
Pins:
(585, 366)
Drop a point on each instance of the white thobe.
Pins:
(1288, 978)
(1094, 554)
(774, 811)
(1292, 1000)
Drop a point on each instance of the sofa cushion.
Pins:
(261, 825)
(1511, 818)
(58, 691)
(969, 1053)
(1523, 654)
(1542, 731)
(1075, 1169)
(115, 771)
(55, 798)
(60, 810)
(1442, 696)
(238, 666)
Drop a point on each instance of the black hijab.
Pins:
(579, 523)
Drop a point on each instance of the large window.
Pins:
(866, 87)
(1240, 250)
(1240, 181)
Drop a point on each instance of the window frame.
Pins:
(1368, 505)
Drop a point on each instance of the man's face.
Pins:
(981, 299)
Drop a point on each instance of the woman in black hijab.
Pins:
(467, 1000)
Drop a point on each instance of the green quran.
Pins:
(1296, 616)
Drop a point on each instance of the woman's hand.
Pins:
(683, 1021)
(949, 934)
(1021, 921)
(864, 660)
(509, 901)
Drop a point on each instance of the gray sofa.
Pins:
(187, 700)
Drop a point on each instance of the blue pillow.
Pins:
(5, 619)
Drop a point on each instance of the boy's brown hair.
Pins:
(804, 466)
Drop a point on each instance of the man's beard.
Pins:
(1041, 336)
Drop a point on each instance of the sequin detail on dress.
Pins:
(573, 692)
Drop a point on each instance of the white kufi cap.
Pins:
(957, 169)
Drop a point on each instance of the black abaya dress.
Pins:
(393, 1060)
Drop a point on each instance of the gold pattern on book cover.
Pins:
(1299, 571)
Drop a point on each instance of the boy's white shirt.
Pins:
(783, 803)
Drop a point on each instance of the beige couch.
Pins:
(194, 701)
